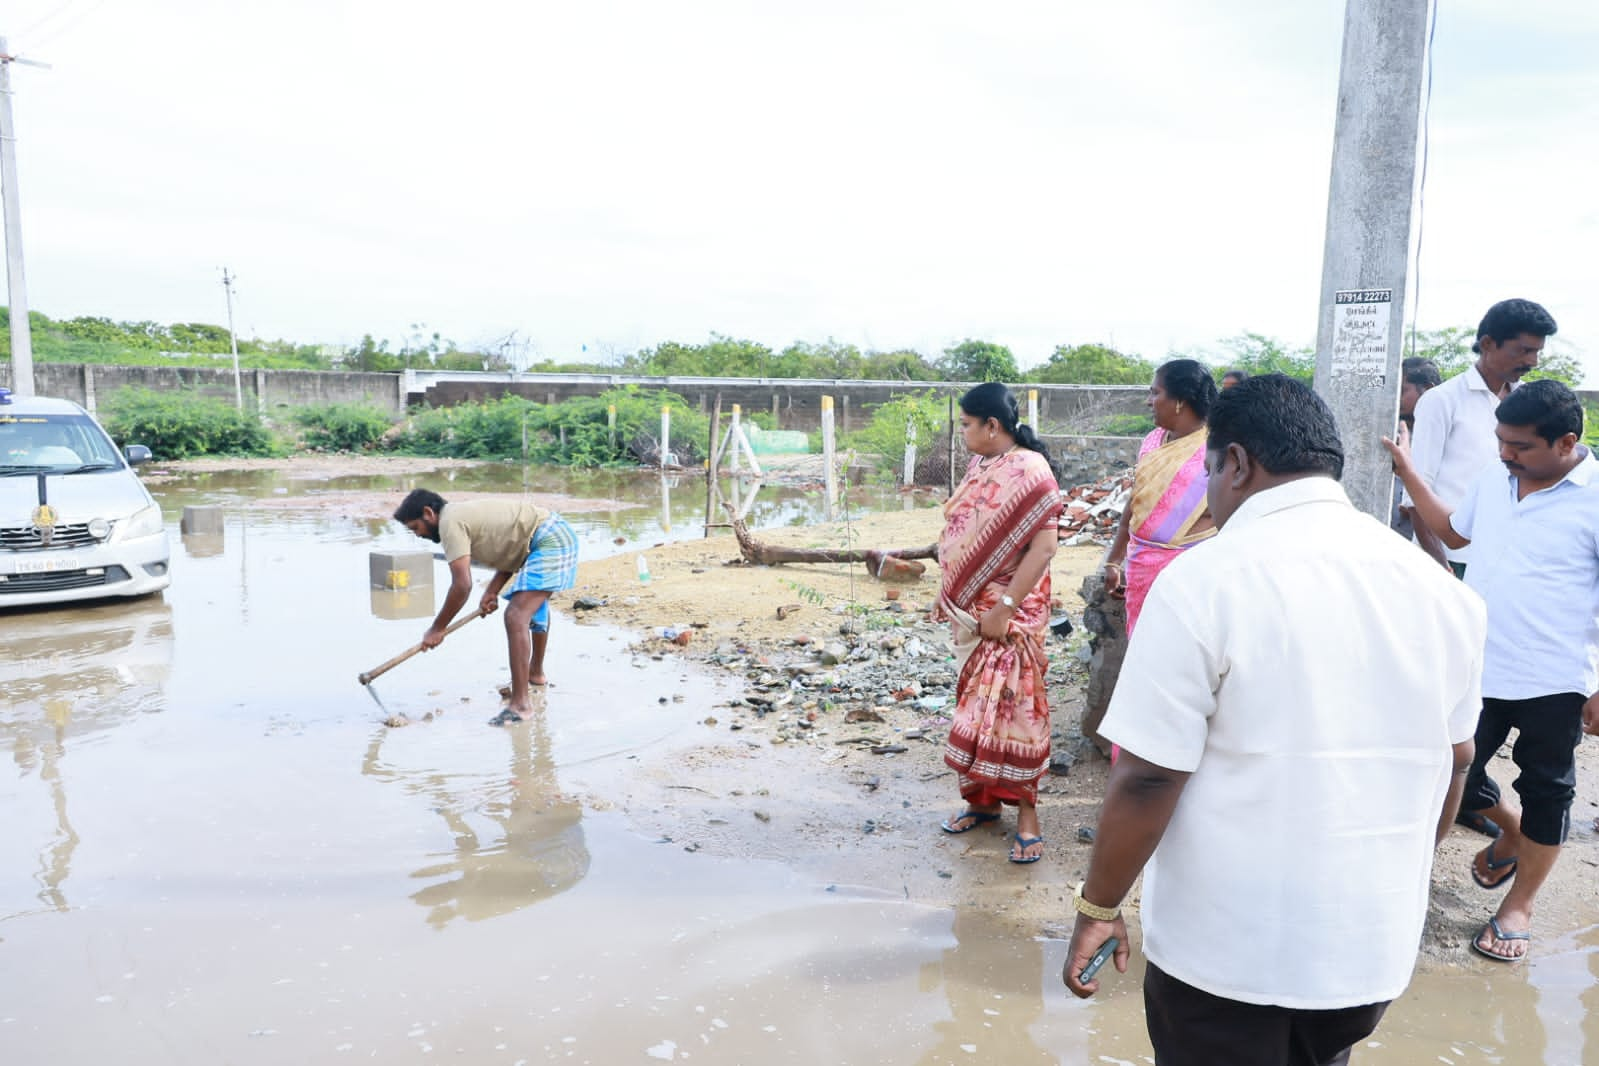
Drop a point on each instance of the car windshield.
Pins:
(51, 443)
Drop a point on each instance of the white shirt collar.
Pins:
(1316, 488)
(1578, 475)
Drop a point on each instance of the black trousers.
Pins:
(1549, 728)
(1193, 1028)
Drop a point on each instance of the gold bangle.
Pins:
(1093, 910)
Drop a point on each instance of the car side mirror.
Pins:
(136, 454)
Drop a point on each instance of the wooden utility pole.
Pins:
(1366, 258)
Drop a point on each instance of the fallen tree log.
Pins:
(755, 551)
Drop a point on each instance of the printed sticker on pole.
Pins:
(1361, 320)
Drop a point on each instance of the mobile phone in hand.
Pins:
(1106, 950)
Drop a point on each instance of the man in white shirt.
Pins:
(1452, 441)
(1535, 524)
(1293, 747)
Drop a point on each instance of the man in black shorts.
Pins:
(1535, 526)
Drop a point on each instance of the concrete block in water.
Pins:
(205, 520)
(401, 570)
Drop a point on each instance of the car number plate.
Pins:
(48, 565)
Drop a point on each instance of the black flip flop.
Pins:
(1478, 822)
(1493, 864)
(507, 717)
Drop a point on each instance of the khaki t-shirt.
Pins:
(493, 532)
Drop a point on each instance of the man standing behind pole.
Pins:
(532, 551)
(1535, 527)
(1452, 440)
(1293, 748)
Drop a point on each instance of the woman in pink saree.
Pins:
(1000, 533)
(1167, 514)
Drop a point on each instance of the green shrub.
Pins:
(341, 427)
(884, 437)
(1127, 425)
(573, 433)
(182, 425)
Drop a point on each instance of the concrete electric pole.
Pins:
(1366, 258)
(233, 342)
(16, 288)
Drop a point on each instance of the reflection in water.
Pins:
(203, 545)
(994, 998)
(119, 652)
(403, 603)
(71, 671)
(532, 848)
(1588, 941)
(44, 746)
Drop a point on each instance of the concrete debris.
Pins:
(1092, 510)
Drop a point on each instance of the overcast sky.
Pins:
(615, 173)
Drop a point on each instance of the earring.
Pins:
(1179, 408)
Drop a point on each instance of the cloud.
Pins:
(889, 174)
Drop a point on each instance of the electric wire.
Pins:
(54, 13)
(1421, 187)
(70, 23)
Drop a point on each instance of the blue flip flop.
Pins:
(1022, 844)
(1498, 934)
(978, 818)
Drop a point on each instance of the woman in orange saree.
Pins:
(1000, 532)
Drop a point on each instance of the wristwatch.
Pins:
(1008, 602)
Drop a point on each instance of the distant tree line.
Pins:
(104, 341)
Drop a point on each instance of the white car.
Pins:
(76, 523)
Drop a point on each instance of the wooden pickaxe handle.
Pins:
(378, 671)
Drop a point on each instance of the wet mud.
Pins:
(215, 851)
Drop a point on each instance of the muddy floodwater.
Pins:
(214, 851)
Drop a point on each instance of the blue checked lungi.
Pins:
(551, 566)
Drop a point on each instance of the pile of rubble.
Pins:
(1093, 510)
(886, 678)
(881, 684)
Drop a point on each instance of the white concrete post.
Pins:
(734, 435)
(1032, 409)
(16, 286)
(666, 433)
(1366, 256)
(909, 477)
(233, 343)
(830, 478)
